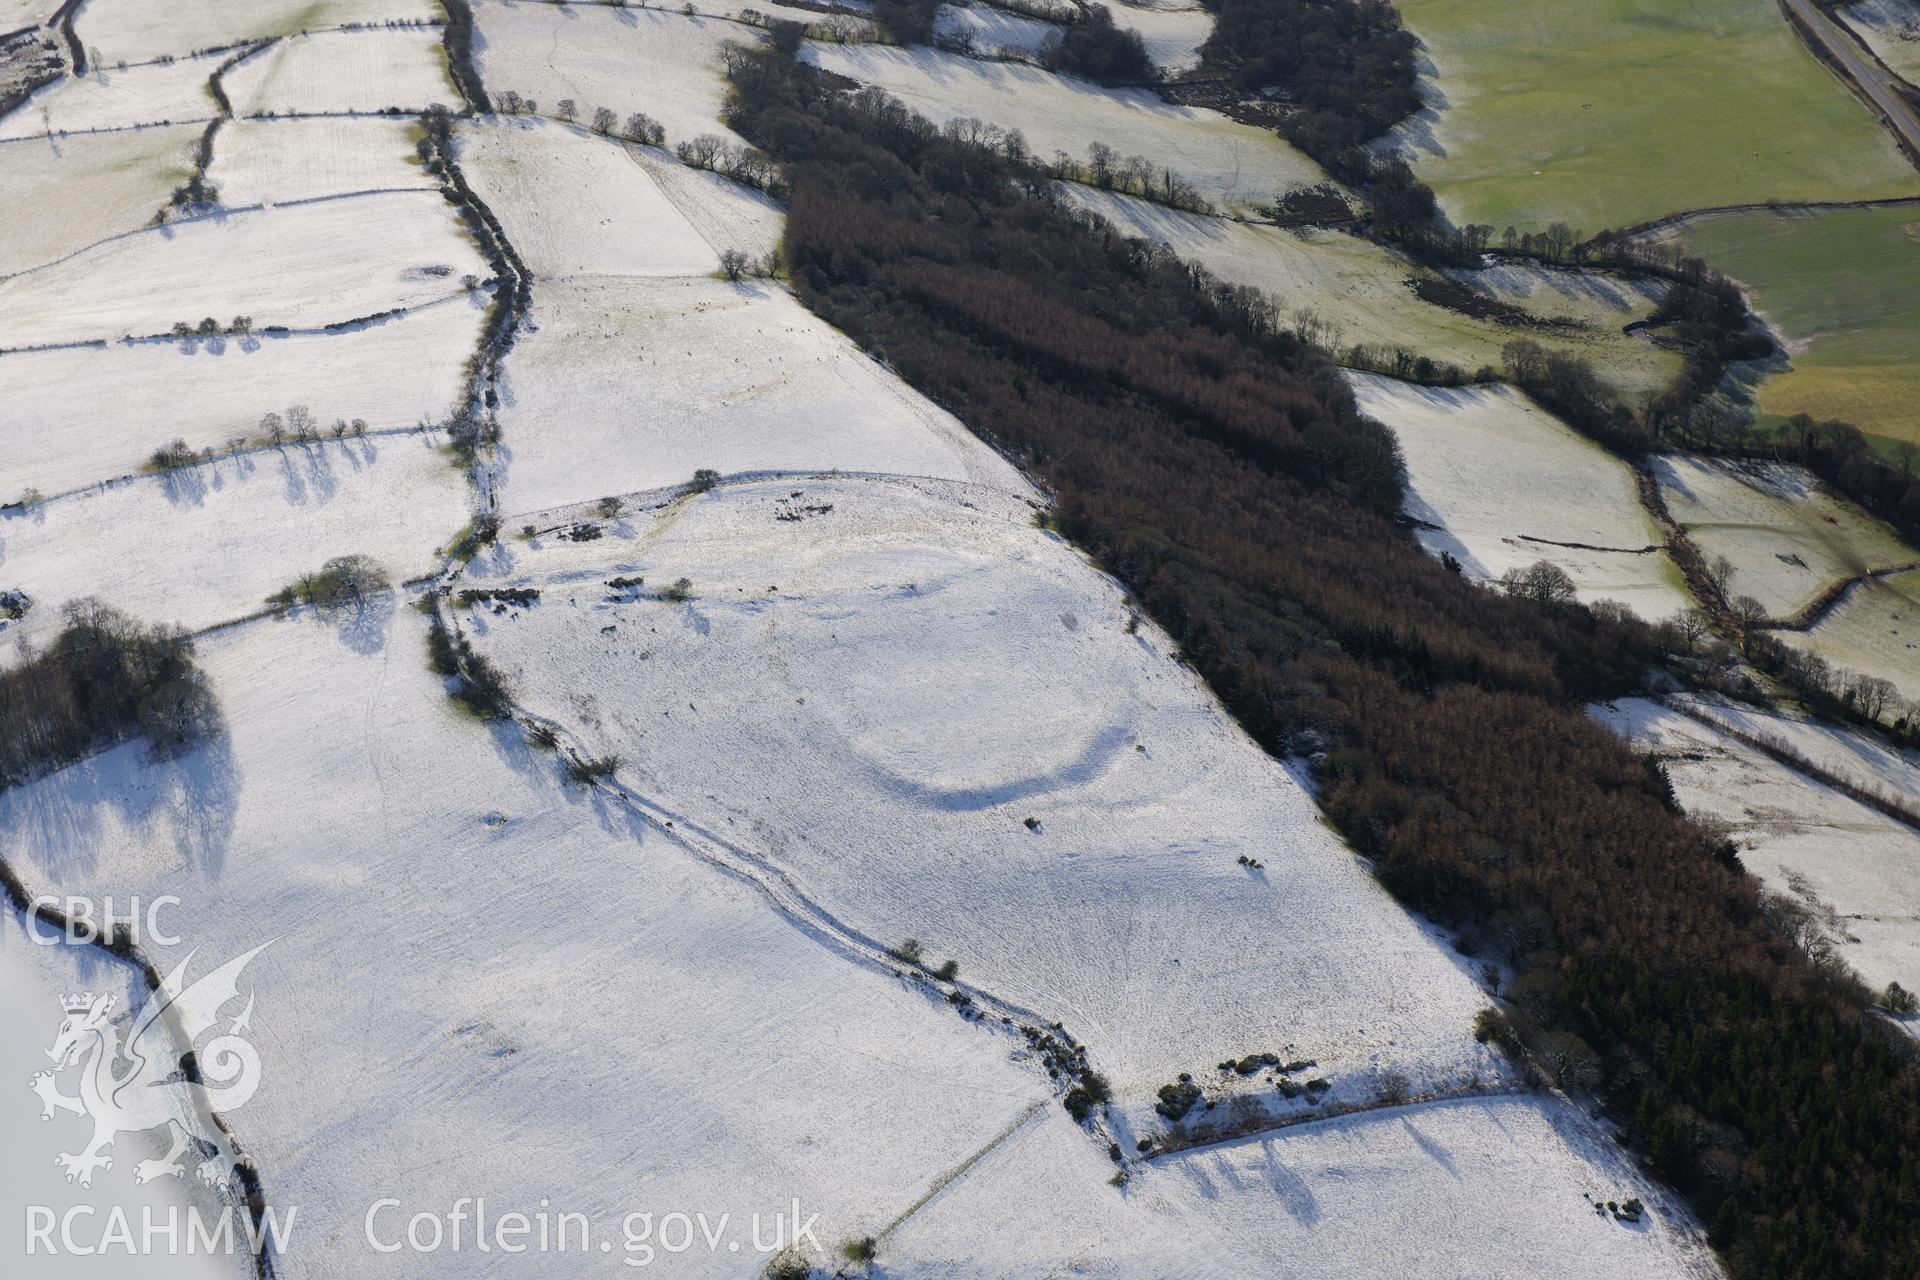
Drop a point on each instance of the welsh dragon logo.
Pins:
(130, 1079)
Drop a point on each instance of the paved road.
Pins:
(1864, 71)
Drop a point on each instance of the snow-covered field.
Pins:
(207, 543)
(300, 266)
(1173, 33)
(483, 980)
(994, 31)
(15, 14)
(578, 205)
(1874, 631)
(726, 214)
(890, 705)
(954, 735)
(1804, 839)
(1360, 291)
(276, 161)
(138, 30)
(633, 384)
(1787, 536)
(113, 99)
(664, 63)
(87, 414)
(1862, 759)
(1513, 1180)
(334, 71)
(102, 184)
(1234, 165)
(1499, 483)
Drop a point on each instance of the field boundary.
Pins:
(1816, 612)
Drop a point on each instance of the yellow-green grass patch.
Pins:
(1843, 288)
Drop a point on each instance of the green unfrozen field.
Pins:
(1843, 288)
(1607, 113)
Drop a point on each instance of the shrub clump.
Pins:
(1092, 1091)
(590, 769)
(1178, 1099)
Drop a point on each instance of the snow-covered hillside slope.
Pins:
(858, 693)
(960, 733)
(1498, 483)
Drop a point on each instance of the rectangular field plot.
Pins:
(1608, 113)
(1786, 536)
(110, 99)
(298, 266)
(1363, 294)
(1232, 164)
(578, 205)
(1839, 287)
(275, 161)
(76, 417)
(666, 64)
(335, 71)
(209, 542)
(994, 31)
(139, 30)
(645, 382)
(1499, 483)
(59, 195)
(1875, 631)
(1173, 33)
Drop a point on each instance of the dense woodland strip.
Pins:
(1217, 465)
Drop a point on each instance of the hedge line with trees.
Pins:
(1217, 465)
